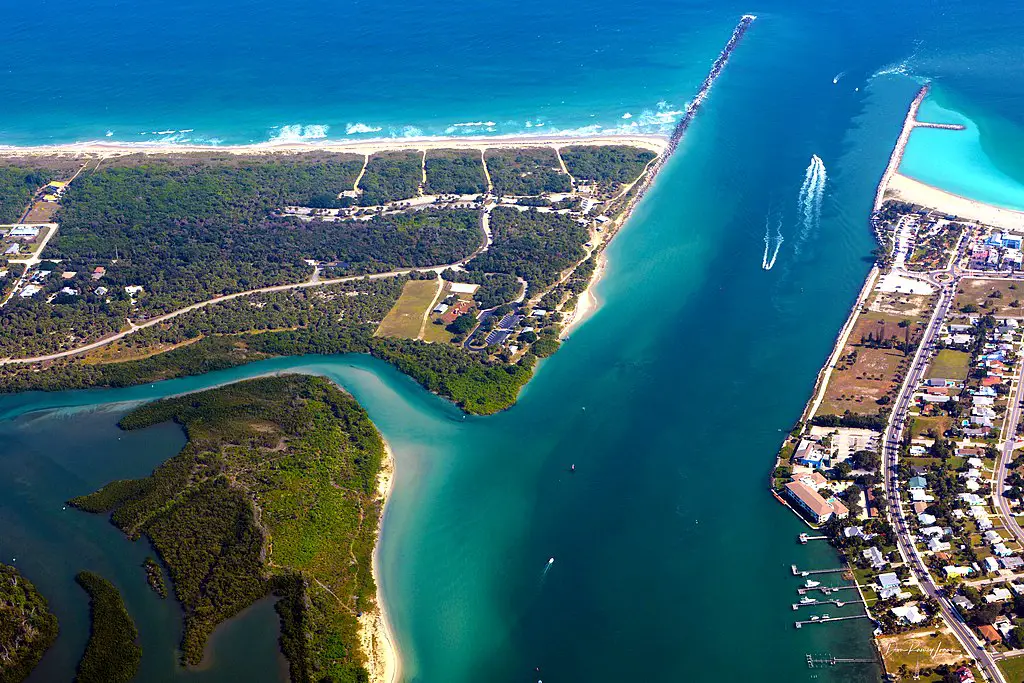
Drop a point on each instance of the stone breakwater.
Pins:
(691, 109)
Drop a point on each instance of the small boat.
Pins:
(825, 616)
(815, 618)
(811, 584)
(807, 601)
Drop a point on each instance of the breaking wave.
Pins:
(357, 128)
(299, 133)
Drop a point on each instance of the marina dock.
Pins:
(828, 660)
(824, 589)
(837, 603)
(809, 572)
(823, 620)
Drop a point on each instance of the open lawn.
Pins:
(42, 212)
(1013, 669)
(406, 317)
(925, 648)
(991, 296)
(950, 364)
(929, 426)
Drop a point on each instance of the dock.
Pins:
(824, 589)
(803, 538)
(801, 624)
(809, 572)
(816, 603)
(828, 660)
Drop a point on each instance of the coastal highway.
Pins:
(891, 445)
(1012, 420)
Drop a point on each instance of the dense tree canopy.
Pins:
(532, 170)
(533, 245)
(391, 176)
(27, 627)
(275, 490)
(455, 172)
(112, 654)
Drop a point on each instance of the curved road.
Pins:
(313, 281)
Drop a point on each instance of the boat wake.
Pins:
(809, 201)
(766, 262)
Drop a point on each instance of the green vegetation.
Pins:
(495, 288)
(276, 490)
(608, 165)
(528, 171)
(406, 317)
(950, 364)
(155, 576)
(452, 171)
(325, 320)
(535, 246)
(175, 274)
(111, 655)
(390, 177)
(27, 627)
(1013, 669)
(17, 186)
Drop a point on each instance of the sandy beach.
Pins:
(907, 189)
(375, 634)
(655, 143)
(587, 302)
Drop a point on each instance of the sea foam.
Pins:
(356, 128)
(297, 132)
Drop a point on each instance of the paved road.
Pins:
(313, 281)
(1012, 420)
(132, 327)
(891, 444)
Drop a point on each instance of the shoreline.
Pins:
(377, 638)
(587, 303)
(654, 142)
(905, 188)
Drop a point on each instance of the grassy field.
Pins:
(1013, 669)
(857, 386)
(992, 296)
(406, 317)
(925, 649)
(920, 426)
(950, 364)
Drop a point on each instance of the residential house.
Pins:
(874, 557)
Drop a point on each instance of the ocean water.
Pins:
(671, 558)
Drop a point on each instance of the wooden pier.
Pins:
(809, 572)
(824, 589)
(803, 538)
(823, 620)
(837, 603)
(829, 660)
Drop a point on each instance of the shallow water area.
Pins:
(959, 162)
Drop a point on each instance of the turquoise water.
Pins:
(672, 560)
(964, 161)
